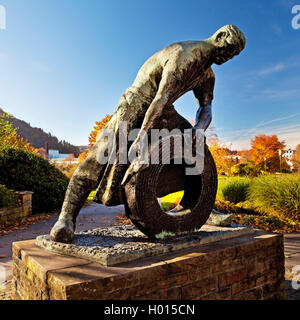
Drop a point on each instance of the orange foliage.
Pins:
(268, 223)
(98, 128)
(15, 141)
(296, 157)
(245, 155)
(223, 157)
(9, 136)
(123, 219)
(83, 156)
(264, 146)
(9, 227)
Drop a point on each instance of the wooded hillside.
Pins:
(38, 138)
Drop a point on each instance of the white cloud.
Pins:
(273, 69)
(262, 124)
(285, 128)
(279, 94)
(292, 139)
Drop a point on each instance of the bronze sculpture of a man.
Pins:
(164, 77)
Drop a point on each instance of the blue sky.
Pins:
(65, 63)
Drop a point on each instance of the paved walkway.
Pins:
(97, 215)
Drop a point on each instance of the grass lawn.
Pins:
(171, 200)
(177, 196)
(91, 196)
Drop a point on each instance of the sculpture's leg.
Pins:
(83, 181)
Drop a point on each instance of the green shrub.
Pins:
(278, 196)
(7, 197)
(23, 171)
(235, 190)
(242, 169)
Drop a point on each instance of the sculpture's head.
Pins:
(229, 41)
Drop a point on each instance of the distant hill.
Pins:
(38, 138)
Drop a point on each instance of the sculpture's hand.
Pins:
(131, 171)
(194, 135)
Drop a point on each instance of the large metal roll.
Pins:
(154, 181)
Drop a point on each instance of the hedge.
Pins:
(23, 171)
(7, 197)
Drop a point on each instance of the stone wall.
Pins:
(247, 267)
(24, 209)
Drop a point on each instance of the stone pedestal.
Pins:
(249, 266)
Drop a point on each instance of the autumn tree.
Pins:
(9, 136)
(83, 156)
(99, 126)
(222, 156)
(296, 158)
(244, 155)
(267, 147)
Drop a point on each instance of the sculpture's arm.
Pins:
(204, 94)
(165, 95)
(167, 89)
